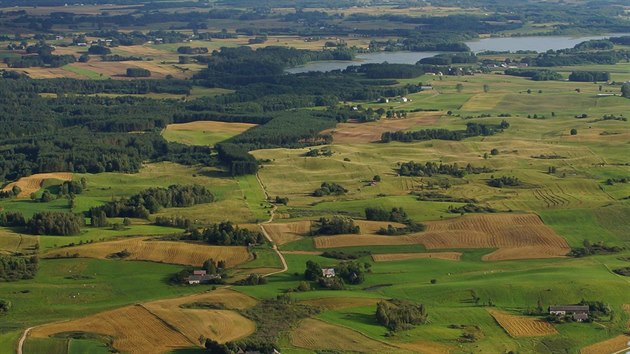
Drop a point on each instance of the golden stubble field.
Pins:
(34, 182)
(146, 249)
(165, 325)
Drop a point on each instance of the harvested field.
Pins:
(316, 334)
(334, 303)
(219, 325)
(609, 346)
(363, 240)
(284, 233)
(426, 347)
(529, 252)
(212, 126)
(363, 133)
(516, 236)
(450, 256)
(34, 182)
(123, 325)
(144, 249)
(230, 299)
(49, 73)
(11, 242)
(522, 326)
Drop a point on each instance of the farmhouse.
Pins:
(578, 312)
(199, 278)
(328, 272)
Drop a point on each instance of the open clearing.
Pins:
(363, 133)
(316, 334)
(34, 182)
(450, 256)
(144, 249)
(203, 132)
(334, 303)
(517, 236)
(609, 346)
(522, 326)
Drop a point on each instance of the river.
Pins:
(537, 43)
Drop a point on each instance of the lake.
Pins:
(537, 43)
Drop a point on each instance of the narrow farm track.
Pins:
(285, 266)
(23, 339)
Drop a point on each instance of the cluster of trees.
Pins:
(560, 58)
(55, 223)
(39, 55)
(430, 168)
(335, 225)
(625, 90)
(151, 200)
(399, 315)
(589, 76)
(503, 181)
(12, 219)
(226, 233)
(252, 279)
(191, 50)
(14, 268)
(174, 221)
(471, 208)
(472, 129)
(387, 71)
(350, 272)
(5, 306)
(328, 188)
(10, 193)
(596, 248)
(449, 59)
(536, 75)
(138, 72)
(397, 214)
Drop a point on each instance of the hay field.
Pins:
(144, 249)
(165, 324)
(335, 303)
(11, 242)
(219, 325)
(522, 326)
(203, 132)
(316, 334)
(230, 299)
(133, 329)
(517, 236)
(363, 133)
(287, 232)
(609, 346)
(34, 182)
(49, 73)
(389, 257)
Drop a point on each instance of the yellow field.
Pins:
(143, 249)
(165, 325)
(133, 329)
(287, 232)
(522, 326)
(219, 325)
(334, 303)
(316, 334)
(363, 133)
(388, 257)
(225, 127)
(34, 182)
(11, 242)
(609, 346)
(517, 236)
(230, 299)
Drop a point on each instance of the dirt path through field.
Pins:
(285, 266)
